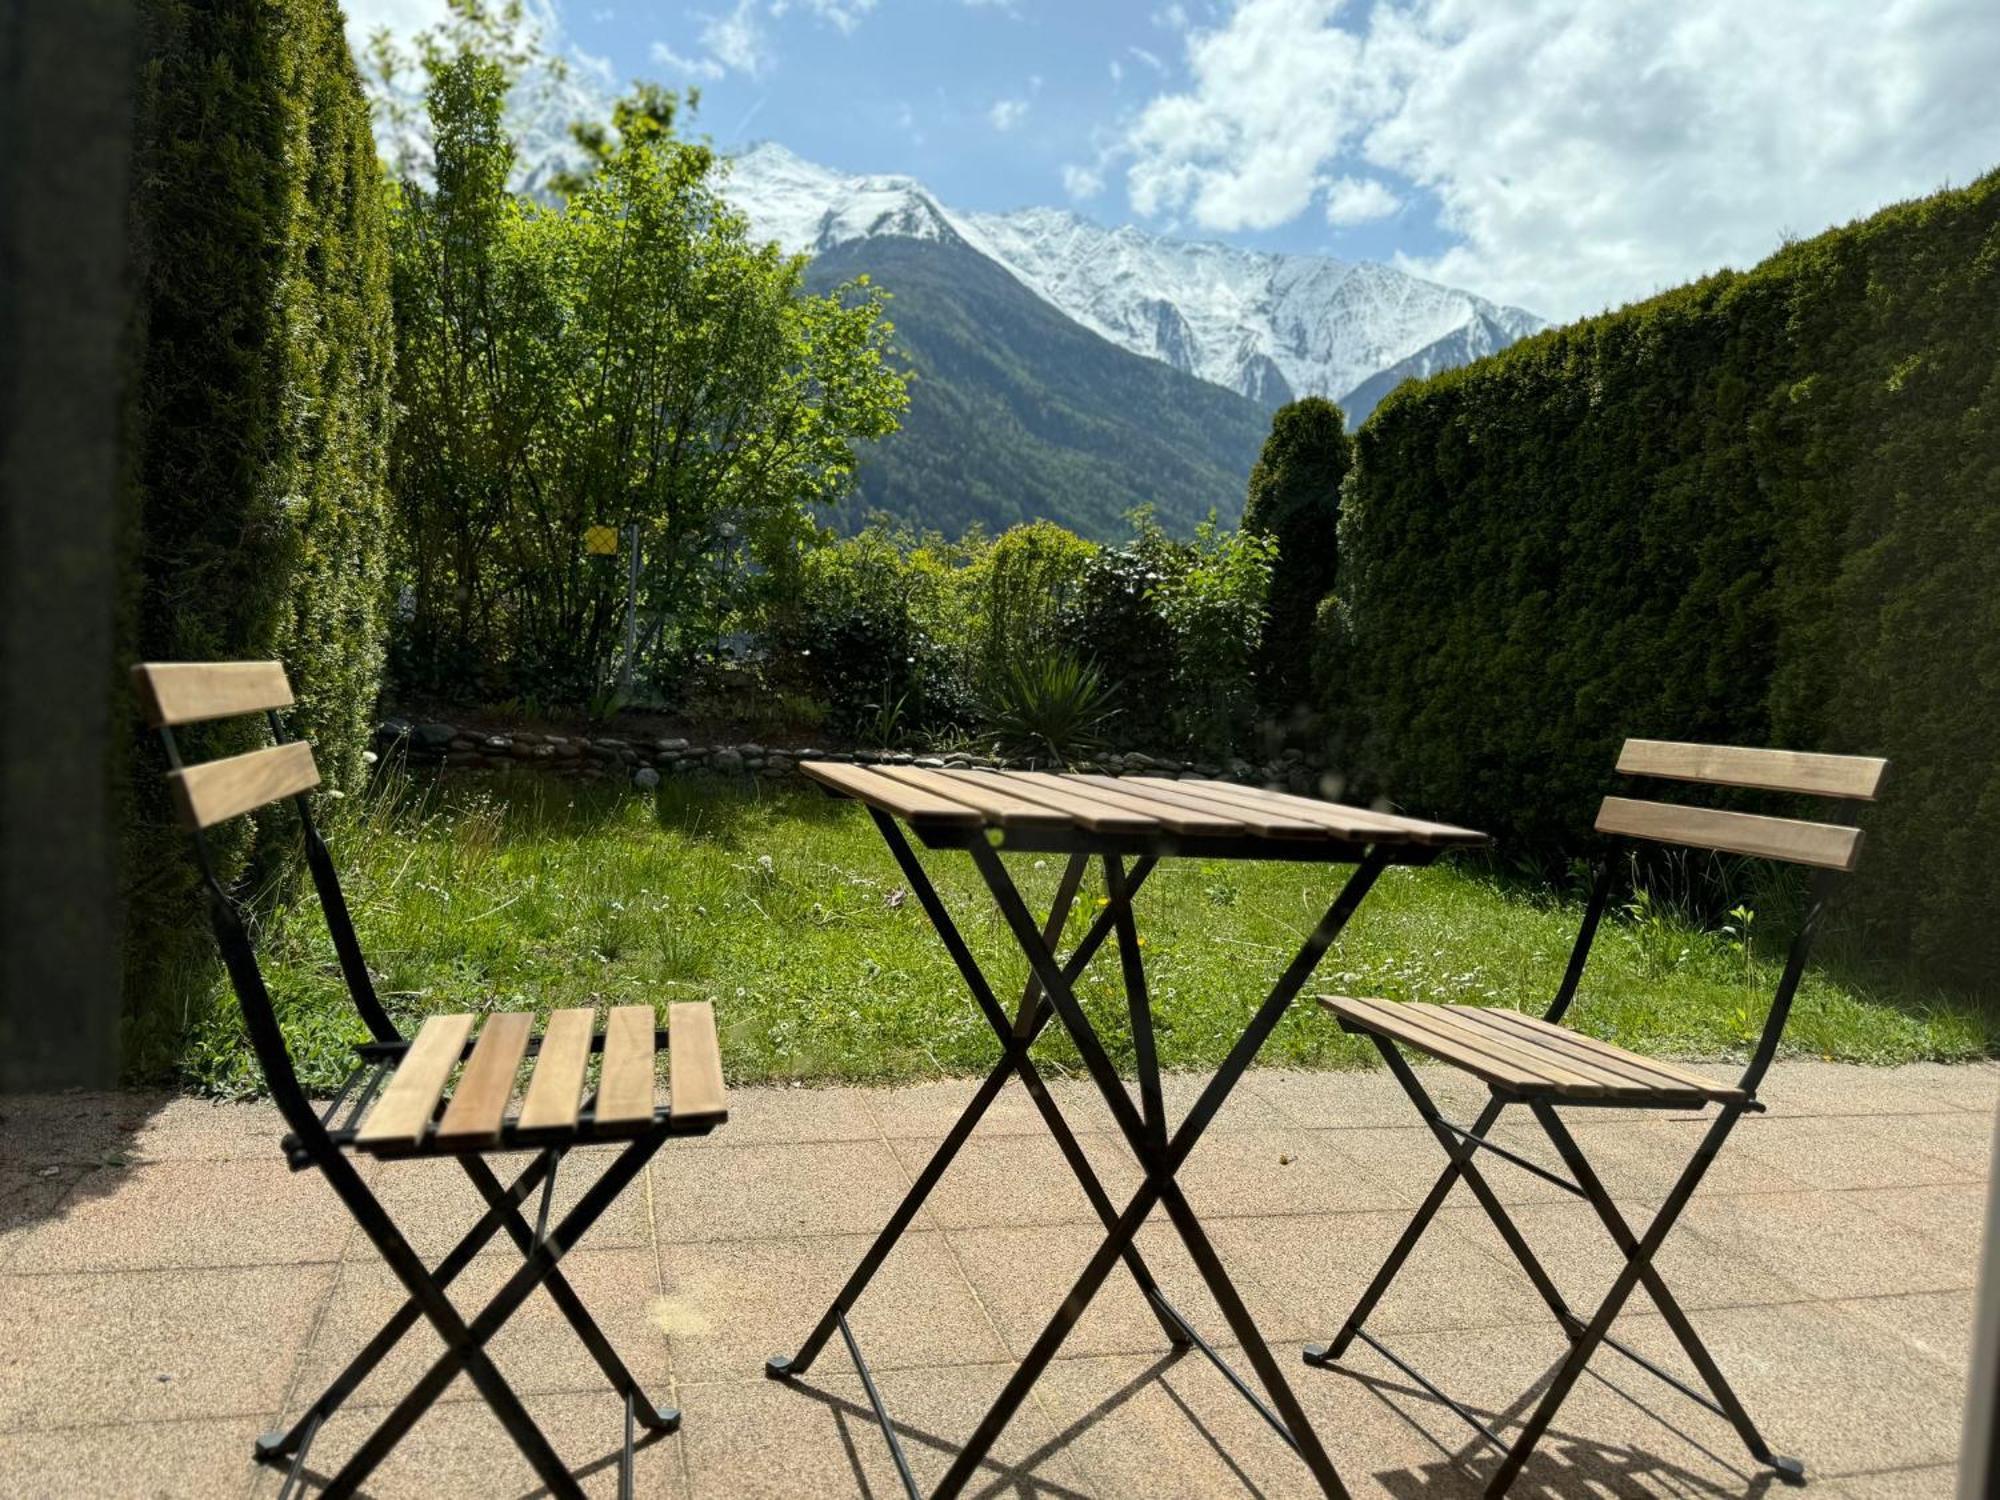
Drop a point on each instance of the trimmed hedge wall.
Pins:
(260, 414)
(1764, 508)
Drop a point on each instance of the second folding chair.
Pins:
(398, 1105)
(1546, 1067)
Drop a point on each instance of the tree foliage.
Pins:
(1294, 500)
(1763, 509)
(259, 418)
(627, 357)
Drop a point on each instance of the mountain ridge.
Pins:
(1268, 325)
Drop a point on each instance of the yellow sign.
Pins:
(601, 541)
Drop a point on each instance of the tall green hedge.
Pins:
(259, 415)
(1764, 508)
(1294, 499)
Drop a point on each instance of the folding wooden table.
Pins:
(1143, 819)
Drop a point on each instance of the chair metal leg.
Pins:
(292, 1443)
(1638, 1262)
(465, 1349)
(638, 1404)
(1726, 1403)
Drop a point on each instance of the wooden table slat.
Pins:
(1345, 814)
(994, 801)
(1195, 795)
(1178, 817)
(899, 798)
(1080, 810)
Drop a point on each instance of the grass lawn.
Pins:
(784, 908)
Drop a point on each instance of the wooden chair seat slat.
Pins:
(694, 1064)
(218, 790)
(1494, 1067)
(1548, 1050)
(891, 796)
(555, 1090)
(625, 1086)
(1077, 809)
(1825, 846)
(403, 1113)
(1418, 1020)
(992, 799)
(478, 1106)
(1808, 773)
(1671, 1076)
(188, 692)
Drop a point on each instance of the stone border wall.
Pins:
(643, 763)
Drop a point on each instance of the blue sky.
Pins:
(1562, 155)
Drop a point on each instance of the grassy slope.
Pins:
(1019, 414)
(782, 907)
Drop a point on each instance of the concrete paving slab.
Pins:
(927, 1111)
(197, 1459)
(1318, 1267)
(1001, 1180)
(1953, 1215)
(774, 1116)
(1808, 1086)
(1846, 1151)
(536, 1351)
(152, 1345)
(1021, 1277)
(1935, 1324)
(1354, 1100)
(459, 1451)
(1295, 1171)
(29, 1196)
(1967, 1086)
(1937, 1482)
(1825, 1246)
(749, 1440)
(726, 1306)
(761, 1192)
(76, 1128)
(1839, 1393)
(189, 1213)
(183, 1129)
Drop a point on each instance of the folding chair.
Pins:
(397, 1104)
(1545, 1066)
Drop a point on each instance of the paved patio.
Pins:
(167, 1289)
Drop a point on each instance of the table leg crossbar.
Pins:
(465, 1344)
(1050, 995)
(1461, 1144)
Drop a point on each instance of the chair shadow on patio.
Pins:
(1568, 1466)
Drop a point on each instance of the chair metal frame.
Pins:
(320, 1138)
(1461, 1144)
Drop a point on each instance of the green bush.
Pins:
(259, 419)
(1294, 500)
(1764, 508)
(1050, 709)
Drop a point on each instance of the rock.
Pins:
(726, 762)
(750, 751)
(778, 763)
(541, 752)
(931, 762)
(670, 747)
(645, 778)
(522, 750)
(464, 742)
(610, 744)
(496, 744)
(523, 737)
(434, 736)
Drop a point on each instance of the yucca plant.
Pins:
(1052, 707)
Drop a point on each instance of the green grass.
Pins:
(784, 908)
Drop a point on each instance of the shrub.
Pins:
(259, 420)
(1294, 500)
(1053, 707)
(1764, 508)
(1022, 595)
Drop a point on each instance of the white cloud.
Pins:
(1117, 71)
(1150, 59)
(842, 15)
(1082, 183)
(694, 67)
(1359, 200)
(1007, 113)
(737, 40)
(1580, 153)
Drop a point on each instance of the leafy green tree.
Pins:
(627, 357)
(1294, 500)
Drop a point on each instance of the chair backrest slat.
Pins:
(217, 790)
(1824, 846)
(187, 692)
(1807, 772)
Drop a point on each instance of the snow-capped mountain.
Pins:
(1266, 325)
